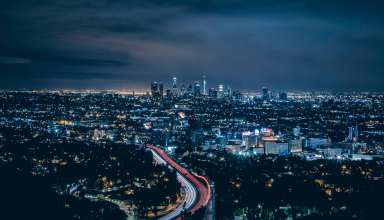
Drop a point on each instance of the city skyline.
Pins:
(284, 45)
(168, 84)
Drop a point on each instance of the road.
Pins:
(197, 189)
(189, 191)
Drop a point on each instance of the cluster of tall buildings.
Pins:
(197, 88)
(353, 134)
(257, 142)
(157, 89)
(267, 94)
(264, 141)
(200, 88)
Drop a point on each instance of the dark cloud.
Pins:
(13, 60)
(26, 57)
(290, 44)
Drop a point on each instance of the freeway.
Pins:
(197, 189)
(189, 191)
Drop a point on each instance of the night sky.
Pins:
(282, 44)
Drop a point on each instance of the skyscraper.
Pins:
(174, 86)
(174, 82)
(220, 92)
(204, 86)
(212, 93)
(283, 96)
(353, 133)
(155, 89)
(265, 93)
(183, 90)
(228, 92)
(161, 89)
(189, 89)
(196, 88)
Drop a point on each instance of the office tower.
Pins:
(174, 82)
(236, 95)
(228, 92)
(204, 86)
(283, 96)
(249, 139)
(353, 134)
(220, 92)
(212, 93)
(161, 89)
(265, 93)
(276, 148)
(295, 146)
(183, 90)
(154, 89)
(315, 143)
(189, 90)
(174, 86)
(221, 141)
(157, 90)
(168, 93)
(296, 131)
(350, 134)
(196, 88)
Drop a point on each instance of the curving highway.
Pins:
(189, 191)
(196, 188)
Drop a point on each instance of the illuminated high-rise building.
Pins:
(265, 93)
(174, 86)
(183, 90)
(283, 96)
(157, 89)
(249, 139)
(353, 133)
(174, 82)
(189, 89)
(196, 88)
(295, 145)
(161, 89)
(212, 93)
(204, 86)
(220, 92)
(276, 148)
(228, 91)
(154, 88)
(168, 93)
(236, 95)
